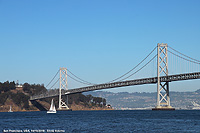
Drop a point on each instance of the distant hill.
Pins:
(142, 100)
(197, 91)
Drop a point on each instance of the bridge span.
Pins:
(153, 80)
(162, 79)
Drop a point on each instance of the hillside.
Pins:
(179, 100)
(18, 97)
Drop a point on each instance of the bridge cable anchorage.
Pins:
(140, 68)
(134, 67)
(184, 54)
(86, 82)
(52, 79)
(185, 58)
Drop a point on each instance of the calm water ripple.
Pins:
(102, 121)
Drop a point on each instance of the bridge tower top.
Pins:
(63, 78)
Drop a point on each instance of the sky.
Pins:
(98, 40)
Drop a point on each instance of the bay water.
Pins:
(101, 121)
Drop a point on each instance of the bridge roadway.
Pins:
(170, 78)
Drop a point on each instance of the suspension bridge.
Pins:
(183, 67)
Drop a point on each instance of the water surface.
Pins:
(101, 121)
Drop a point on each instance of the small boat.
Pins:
(52, 108)
(10, 109)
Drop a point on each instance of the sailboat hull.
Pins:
(51, 112)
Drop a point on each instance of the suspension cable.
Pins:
(89, 83)
(54, 83)
(80, 78)
(184, 54)
(52, 79)
(183, 58)
(134, 67)
(140, 68)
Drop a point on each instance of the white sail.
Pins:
(52, 108)
(10, 109)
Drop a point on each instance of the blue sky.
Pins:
(96, 40)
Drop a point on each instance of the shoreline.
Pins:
(57, 110)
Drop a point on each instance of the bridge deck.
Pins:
(179, 77)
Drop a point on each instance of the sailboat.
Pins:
(10, 109)
(52, 108)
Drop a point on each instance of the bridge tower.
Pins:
(163, 99)
(63, 86)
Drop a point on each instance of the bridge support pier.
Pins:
(163, 99)
(63, 86)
